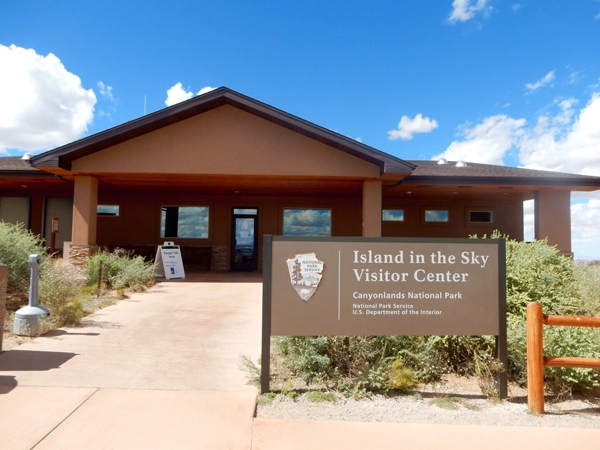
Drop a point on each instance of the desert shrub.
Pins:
(321, 397)
(558, 341)
(355, 365)
(306, 356)
(486, 369)
(120, 270)
(457, 353)
(16, 244)
(571, 341)
(400, 377)
(536, 272)
(60, 286)
(589, 289)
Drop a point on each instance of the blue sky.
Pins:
(502, 82)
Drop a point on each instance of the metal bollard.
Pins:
(28, 318)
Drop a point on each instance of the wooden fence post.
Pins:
(535, 358)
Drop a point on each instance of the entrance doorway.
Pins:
(244, 240)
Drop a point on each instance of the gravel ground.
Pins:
(455, 403)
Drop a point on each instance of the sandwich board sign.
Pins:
(168, 261)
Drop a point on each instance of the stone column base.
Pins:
(79, 254)
(218, 257)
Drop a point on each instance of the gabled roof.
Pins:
(63, 156)
(430, 172)
(16, 166)
(14, 163)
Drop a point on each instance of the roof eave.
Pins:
(514, 181)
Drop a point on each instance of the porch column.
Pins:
(371, 208)
(85, 203)
(553, 219)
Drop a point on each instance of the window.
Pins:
(246, 211)
(480, 216)
(184, 222)
(436, 215)
(306, 222)
(392, 215)
(107, 210)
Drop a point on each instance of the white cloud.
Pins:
(463, 10)
(43, 105)
(547, 79)
(107, 104)
(407, 127)
(487, 142)
(566, 141)
(204, 90)
(177, 94)
(567, 111)
(565, 146)
(105, 91)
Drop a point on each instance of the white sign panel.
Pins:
(168, 262)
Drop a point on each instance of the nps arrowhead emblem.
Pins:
(305, 274)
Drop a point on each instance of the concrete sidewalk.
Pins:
(160, 371)
(157, 370)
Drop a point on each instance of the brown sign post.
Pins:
(339, 286)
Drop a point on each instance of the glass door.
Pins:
(244, 240)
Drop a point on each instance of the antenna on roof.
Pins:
(144, 105)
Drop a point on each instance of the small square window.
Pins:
(392, 215)
(480, 216)
(246, 211)
(436, 215)
(107, 210)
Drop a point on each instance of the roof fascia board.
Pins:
(516, 181)
(25, 174)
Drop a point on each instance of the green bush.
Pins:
(571, 341)
(400, 377)
(536, 272)
(120, 270)
(306, 357)
(355, 365)
(16, 244)
(589, 282)
(60, 285)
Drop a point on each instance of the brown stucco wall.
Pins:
(226, 140)
(139, 219)
(139, 222)
(553, 218)
(507, 218)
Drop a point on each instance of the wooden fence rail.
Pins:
(535, 352)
